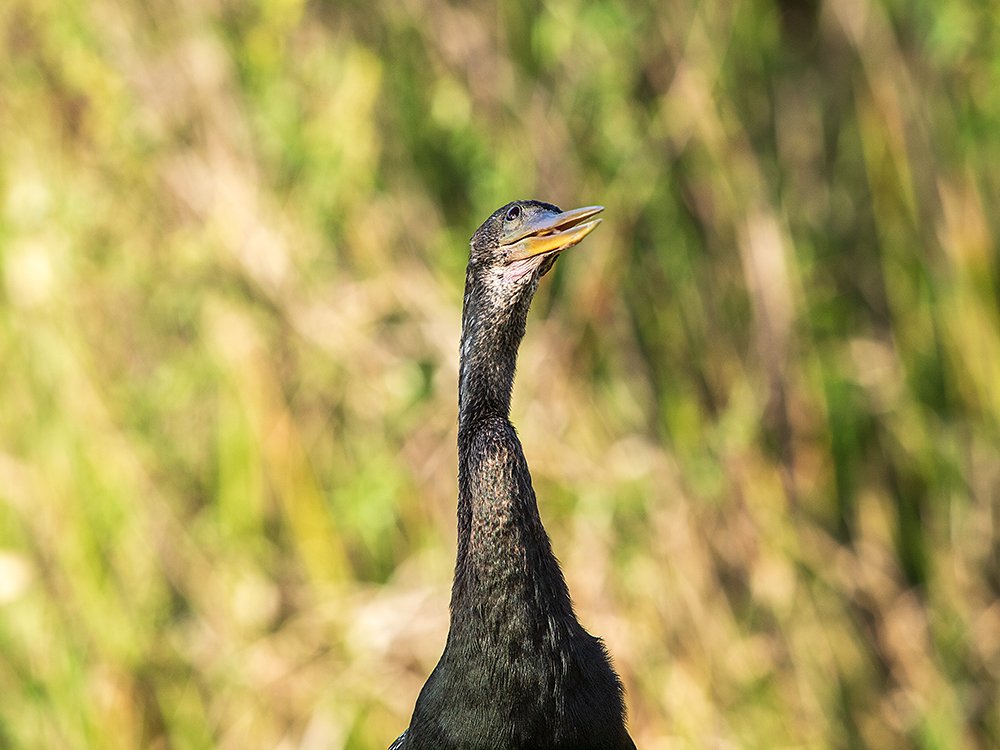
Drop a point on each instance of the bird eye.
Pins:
(513, 213)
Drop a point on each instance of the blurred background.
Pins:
(761, 403)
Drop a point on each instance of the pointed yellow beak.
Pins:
(552, 233)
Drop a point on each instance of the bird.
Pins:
(518, 671)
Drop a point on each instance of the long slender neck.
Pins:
(502, 545)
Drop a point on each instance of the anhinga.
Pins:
(518, 671)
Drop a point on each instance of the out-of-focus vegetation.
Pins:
(761, 403)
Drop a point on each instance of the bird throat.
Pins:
(505, 567)
(493, 321)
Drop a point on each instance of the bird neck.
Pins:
(505, 568)
(502, 546)
(492, 329)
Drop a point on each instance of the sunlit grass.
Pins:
(761, 404)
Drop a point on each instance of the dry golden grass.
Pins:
(761, 403)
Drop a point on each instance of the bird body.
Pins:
(518, 670)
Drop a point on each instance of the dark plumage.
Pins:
(518, 670)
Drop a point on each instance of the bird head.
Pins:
(519, 243)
